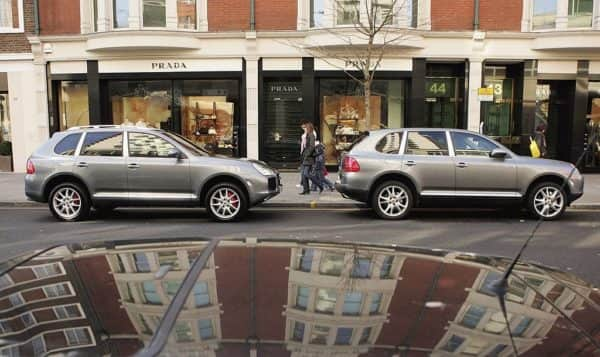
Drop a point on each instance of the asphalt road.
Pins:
(571, 244)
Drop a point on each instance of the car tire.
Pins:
(69, 202)
(539, 202)
(226, 202)
(392, 200)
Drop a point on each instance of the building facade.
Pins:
(238, 76)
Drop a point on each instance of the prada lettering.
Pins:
(168, 65)
(284, 89)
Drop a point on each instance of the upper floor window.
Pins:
(186, 14)
(155, 13)
(580, 13)
(120, 13)
(544, 14)
(347, 12)
(11, 15)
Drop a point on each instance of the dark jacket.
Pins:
(309, 149)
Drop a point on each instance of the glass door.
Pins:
(281, 126)
(441, 103)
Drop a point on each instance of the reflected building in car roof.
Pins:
(288, 298)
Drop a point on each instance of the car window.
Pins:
(189, 145)
(67, 145)
(106, 143)
(389, 144)
(148, 145)
(466, 144)
(427, 143)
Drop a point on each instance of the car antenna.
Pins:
(500, 287)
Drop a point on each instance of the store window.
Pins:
(209, 111)
(154, 13)
(281, 126)
(186, 14)
(544, 14)
(347, 11)
(120, 13)
(497, 118)
(11, 15)
(143, 103)
(343, 115)
(592, 129)
(580, 13)
(73, 107)
(5, 134)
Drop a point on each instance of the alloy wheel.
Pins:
(67, 203)
(548, 201)
(225, 203)
(393, 200)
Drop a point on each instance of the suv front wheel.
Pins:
(226, 202)
(69, 202)
(392, 200)
(547, 201)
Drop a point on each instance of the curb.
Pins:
(22, 204)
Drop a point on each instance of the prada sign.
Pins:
(171, 66)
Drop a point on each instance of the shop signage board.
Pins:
(169, 65)
(485, 94)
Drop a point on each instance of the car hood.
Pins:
(546, 162)
(288, 297)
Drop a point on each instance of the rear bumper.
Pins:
(33, 189)
(351, 192)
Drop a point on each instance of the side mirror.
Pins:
(498, 154)
(174, 153)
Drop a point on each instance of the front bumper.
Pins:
(272, 188)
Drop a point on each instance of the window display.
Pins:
(4, 118)
(141, 103)
(592, 130)
(73, 104)
(343, 112)
(208, 112)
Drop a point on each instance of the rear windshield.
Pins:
(67, 145)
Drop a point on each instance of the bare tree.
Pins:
(374, 28)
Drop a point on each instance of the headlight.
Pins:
(263, 169)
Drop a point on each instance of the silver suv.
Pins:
(395, 170)
(109, 166)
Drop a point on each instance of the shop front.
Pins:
(444, 97)
(342, 111)
(205, 107)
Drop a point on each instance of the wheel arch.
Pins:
(55, 180)
(548, 177)
(397, 176)
(222, 178)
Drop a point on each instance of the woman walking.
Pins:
(319, 168)
(308, 159)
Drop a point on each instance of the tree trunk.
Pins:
(367, 99)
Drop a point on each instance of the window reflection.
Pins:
(73, 104)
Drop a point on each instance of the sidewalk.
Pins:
(12, 194)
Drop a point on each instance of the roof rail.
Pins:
(108, 126)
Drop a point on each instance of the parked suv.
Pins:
(396, 170)
(109, 166)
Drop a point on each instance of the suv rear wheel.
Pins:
(547, 200)
(392, 200)
(226, 202)
(69, 202)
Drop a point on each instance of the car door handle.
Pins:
(82, 164)
(410, 163)
(462, 165)
(133, 166)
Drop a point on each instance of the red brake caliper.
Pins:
(234, 203)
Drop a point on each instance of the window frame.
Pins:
(21, 28)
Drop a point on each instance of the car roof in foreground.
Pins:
(88, 128)
(276, 297)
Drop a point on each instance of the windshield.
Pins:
(188, 144)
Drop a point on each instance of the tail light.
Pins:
(30, 167)
(350, 164)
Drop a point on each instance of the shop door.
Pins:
(281, 127)
(553, 114)
(441, 103)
